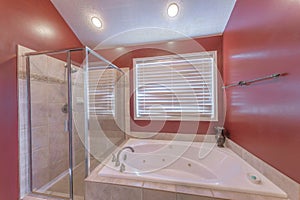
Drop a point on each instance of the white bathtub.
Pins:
(193, 164)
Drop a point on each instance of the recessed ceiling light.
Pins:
(97, 22)
(173, 10)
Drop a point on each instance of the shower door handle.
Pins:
(66, 125)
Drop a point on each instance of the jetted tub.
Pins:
(193, 164)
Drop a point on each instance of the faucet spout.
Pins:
(119, 153)
(220, 136)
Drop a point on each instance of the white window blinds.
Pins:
(101, 91)
(179, 87)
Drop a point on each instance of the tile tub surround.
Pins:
(291, 187)
(103, 188)
(94, 182)
(106, 188)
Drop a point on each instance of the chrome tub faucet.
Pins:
(220, 136)
(116, 159)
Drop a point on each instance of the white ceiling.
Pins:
(128, 22)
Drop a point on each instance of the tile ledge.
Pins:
(242, 196)
(291, 187)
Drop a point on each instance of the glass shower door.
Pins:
(105, 115)
(75, 118)
(49, 126)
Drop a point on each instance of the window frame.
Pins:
(214, 118)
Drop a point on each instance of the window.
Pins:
(101, 91)
(176, 87)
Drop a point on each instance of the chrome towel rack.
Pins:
(245, 83)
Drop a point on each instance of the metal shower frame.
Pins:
(87, 51)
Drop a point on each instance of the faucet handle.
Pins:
(117, 164)
(219, 128)
(114, 158)
(122, 168)
(221, 135)
(125, 157)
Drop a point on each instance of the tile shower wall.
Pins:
(49, 138)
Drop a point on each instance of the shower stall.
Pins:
(71, 116)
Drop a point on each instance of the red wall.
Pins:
(123, 57)
(35, 24)
(261, 38)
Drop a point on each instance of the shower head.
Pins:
(73, 69)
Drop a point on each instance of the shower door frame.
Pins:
(70, 114)
(87, 51)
